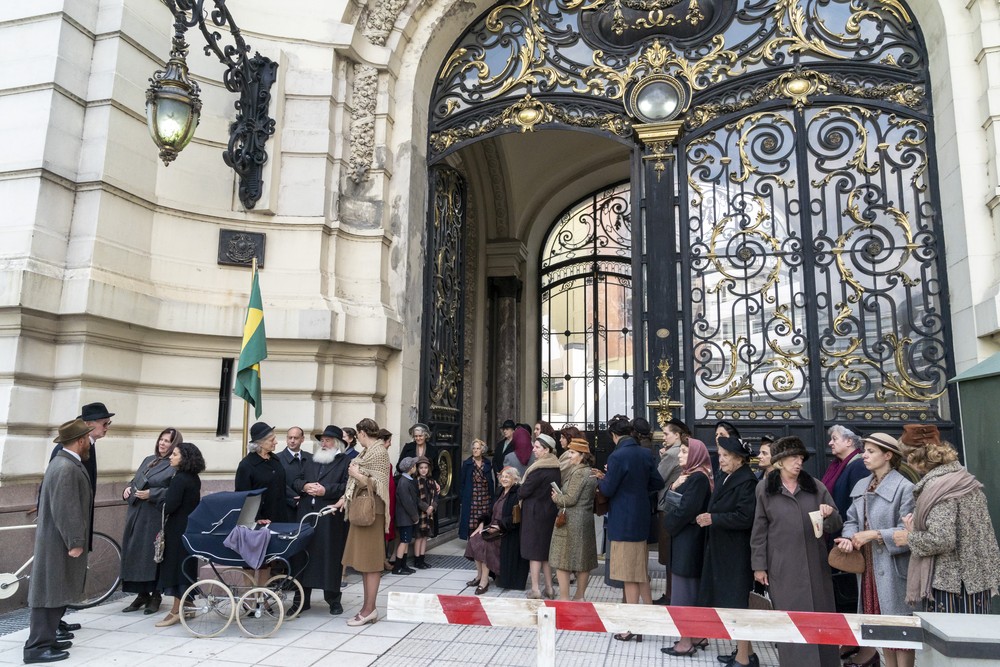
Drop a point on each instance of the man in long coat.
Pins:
(61, 541)
(323, 482)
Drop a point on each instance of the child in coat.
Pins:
(428, 492)
(407, 513)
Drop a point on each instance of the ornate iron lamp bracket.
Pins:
(251, 77)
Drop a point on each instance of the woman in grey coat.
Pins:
(574, 544)
(143, 521)
(878, 504)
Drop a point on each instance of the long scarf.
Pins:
(544, 462)
(699, 461)
(836, 468)
(948, 486)
(374, 462)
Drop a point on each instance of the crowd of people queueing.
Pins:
(895, 525)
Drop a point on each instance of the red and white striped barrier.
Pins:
(795, 627)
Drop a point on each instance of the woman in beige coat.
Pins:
(574, 544)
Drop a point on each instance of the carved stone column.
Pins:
(506, 360)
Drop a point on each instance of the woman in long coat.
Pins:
(478, 489)
(513, 567)
(538, 514)
(261, 469)
(574, 544)
(726, 578)
(142, 521)
(879, 503)
(177, 572)
(784, 552)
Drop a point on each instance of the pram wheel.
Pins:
(207, 608)
(260, 612)
(288, 590)
(237, 579)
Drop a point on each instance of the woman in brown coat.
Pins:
(785, 553)
(538, 514)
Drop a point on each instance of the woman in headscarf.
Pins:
(687, 538)
(785, 552)
(727, 577)
(879, 503)
(538, 514)
(954, 558)
(143, 521)
(574, 544)
(365, 550)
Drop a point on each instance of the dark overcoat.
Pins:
(326, 551)
(513, 567)
(410, 449)
(538, 512)
(181, 498)
(142, 521)
(687, 538)
(255, 472)
(91, 467)
(467, 468)
(293, 470)
(783, 544)
(631, 478)
(64, 508)
(727, 577)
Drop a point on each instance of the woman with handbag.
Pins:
(143, 520)
(727, 577)
(366, 501)
(675, 434)
(574, 540)
(687, 538)
(486, 541)
(177, 571)
(538, 514)
(786, 553)
(879, 503)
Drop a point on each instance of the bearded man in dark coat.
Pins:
(61, 543)
(323, 482)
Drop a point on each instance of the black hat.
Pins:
(330, 431)
(508, 424)
(789, 445)
(767, 439)
(641, 426)
(259, 431)
(679, 424)
(736, 446)
(91, 412)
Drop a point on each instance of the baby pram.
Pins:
(209, 605)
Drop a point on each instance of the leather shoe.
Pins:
(336, 609)
(138, 603)
(36, 655)
(64, 636)
(69, 627)
(153, 604)
(62, 646)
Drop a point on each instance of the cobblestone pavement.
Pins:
(109, 637)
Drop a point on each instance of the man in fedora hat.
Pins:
(60, 562)
(97, 417)
(321, 484)
(293, 458)
(504, 445)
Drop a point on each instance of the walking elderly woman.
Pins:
(574, 543)
(879, 503)
(144, 520)
(538, 513)
(786, 554)
(954, 558)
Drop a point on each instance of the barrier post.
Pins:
(959, 640)
(546, 637)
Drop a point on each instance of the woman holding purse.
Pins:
(574, 543)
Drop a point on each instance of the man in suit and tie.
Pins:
(322, 483)
(293, 458)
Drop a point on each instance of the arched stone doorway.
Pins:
(787, 240)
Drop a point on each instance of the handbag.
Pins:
(760, 601)
(159, 541)
(853, 561)
(493, 533)
(601, 503)
(561, 518)
(361, 511)
(515, 514)
(669, 501)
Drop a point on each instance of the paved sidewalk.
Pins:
(317, 639)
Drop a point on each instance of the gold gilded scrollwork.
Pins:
(900, 381)
(756, 228)
(849, 115)
(663, 405)
(750, 167)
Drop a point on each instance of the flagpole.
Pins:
(246, 404)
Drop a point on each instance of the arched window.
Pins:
(586, 313)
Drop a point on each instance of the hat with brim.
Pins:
(885, 442)
(73, 430)
(546, 441)
(91, 412)
(579, 445)
(418, 425)
(424, 459)
(736, 446)
(259, 431)
(790, 445)
(330, 431)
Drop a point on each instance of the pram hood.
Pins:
(217, 513)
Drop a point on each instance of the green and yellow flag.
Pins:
(254, 350)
